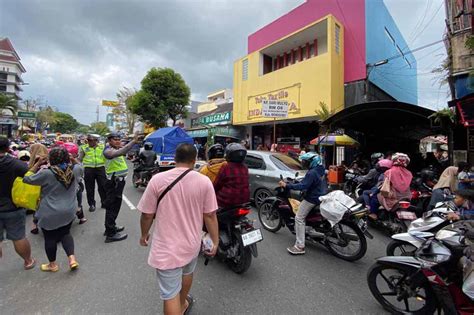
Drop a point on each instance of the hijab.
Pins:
(37, 150)
(447, 179)
(400, 177)
(61, 166)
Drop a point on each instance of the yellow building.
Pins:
(304, 68)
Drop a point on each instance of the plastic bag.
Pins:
(25, 195)
(334, 205)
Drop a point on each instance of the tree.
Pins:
(64, 123)
(8, 103)
(164, 95)
(100, 128)
(122, 112)
(83, 129)
(45, 117)
(323, 112)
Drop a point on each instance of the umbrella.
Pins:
(334, 140)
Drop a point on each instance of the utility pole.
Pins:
(369, 67)
(97, 112)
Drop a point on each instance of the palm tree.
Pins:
(8, 103)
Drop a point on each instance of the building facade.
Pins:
(321, 53)
(11, 71)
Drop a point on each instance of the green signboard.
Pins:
(220, 131)
(212, 119)
(26, 115)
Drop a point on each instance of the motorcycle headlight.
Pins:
(444, 234)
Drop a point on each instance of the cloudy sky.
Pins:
(78, 52)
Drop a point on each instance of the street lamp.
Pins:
(369, 67)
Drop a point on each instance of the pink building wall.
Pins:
(351, 13)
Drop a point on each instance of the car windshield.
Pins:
(285, 162)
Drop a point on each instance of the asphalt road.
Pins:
(115, 278)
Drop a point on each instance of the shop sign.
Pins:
(290, 95)
(212, 119)
(224, 131)
(7, 121)
(26, 115)
(275, 109)
(107, 103)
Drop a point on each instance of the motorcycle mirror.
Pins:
(296, 175)
(281, 177)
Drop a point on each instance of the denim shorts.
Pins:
(170, 280)
(13, 223)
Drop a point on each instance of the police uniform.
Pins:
(94, 170)
(116, 170)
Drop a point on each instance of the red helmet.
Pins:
(72, 148)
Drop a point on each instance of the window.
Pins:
(254, 162)
(390, 37)
(3, 77)
(285, 162)
(245, 69)
(336, 38)
(3, 88)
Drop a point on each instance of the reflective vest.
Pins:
(93, 157)
(116, 166)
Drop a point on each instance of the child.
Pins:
(464, 203)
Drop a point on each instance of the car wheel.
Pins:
(261, 195)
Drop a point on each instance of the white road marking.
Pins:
(129, 203)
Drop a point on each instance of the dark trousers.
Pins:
(52, 237)
(114, 190)
(92, 175)
(80, 212)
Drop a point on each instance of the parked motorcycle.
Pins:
(237, 238)
(346, 239)
(405, 244)
(397, 219)
(142, 177)
(431, 279)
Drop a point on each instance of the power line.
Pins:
(420, 21)
(408, 52)
(429, 22)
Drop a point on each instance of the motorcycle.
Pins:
(237, 238)
(430, 280)
(351, 186)
(397, 219)
(142, 177)
(405, 244)
(280, 210)
(421, 191)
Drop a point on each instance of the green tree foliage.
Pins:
(164, 95)
(323, 112)
(8, 103)
(100, 128)
(64, 123)
(45, 117)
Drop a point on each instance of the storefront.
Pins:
(7, 124)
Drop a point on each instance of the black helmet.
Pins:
(235, 152)
(375, 157)
(113, 135)
(148, 145)
(216, 151)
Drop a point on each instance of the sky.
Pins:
(78, 52)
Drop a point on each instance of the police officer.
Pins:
(92, 157)
(116, 170)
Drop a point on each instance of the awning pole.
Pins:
(274, 130)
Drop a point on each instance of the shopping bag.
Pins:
(25, 195)
(334, 205)
(385, 190)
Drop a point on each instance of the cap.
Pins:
(93, 136)
(114, 135)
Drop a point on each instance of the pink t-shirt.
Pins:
(176, 236)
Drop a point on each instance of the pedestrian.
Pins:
(92, 158)
(116, 170)
(58, 204)
(12, 219)
(37, 151)
(181, 199)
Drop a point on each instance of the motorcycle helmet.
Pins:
(375, 157)
(72, 148)
(427, 174)
(148, 146)
(310, 160)
(235, 152)
(216, 151)
(384, 165)
(400, 159)
(24, 155)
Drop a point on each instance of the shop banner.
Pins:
(275, 109)
(289, 95)
(217, 118)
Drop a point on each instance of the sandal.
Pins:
(47, 267)
(190, 300)
(74, 265)
(82, 221)
(30, 265)
(34, 230)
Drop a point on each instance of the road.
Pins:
(115, 278)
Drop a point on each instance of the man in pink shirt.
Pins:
(176, 239)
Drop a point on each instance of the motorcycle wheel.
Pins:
(135, 178)
(241, 262)
(387, 283)
(400, 248)
(269, 217)
(347, 188)
(350, 232)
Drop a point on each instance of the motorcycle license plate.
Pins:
(362, 224)
(406, 215)
(252, 237)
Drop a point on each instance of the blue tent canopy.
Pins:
(165, 140)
